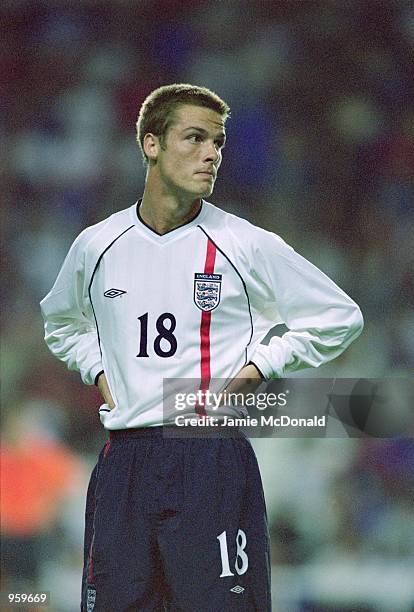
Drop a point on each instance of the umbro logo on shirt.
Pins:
(113, 293)
(237, 589)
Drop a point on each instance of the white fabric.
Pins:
(157, 275)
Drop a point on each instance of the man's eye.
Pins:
(195, 138)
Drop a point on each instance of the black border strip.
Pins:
(243, 283)
(93, 276)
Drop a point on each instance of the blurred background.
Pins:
(320, 150)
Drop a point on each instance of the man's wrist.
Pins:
(258, 369)
(97, 377)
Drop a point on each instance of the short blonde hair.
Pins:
(157, 109)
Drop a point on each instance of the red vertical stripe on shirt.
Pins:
(205, 331)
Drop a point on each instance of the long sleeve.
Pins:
(322, 320)
(70, 330)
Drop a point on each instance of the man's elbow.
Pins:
(355, 324)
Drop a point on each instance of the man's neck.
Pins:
(164, 213)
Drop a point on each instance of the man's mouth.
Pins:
(206, 173)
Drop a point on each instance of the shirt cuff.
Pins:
(257, 368)
(262, 359)
(97, 377)
(90, 377)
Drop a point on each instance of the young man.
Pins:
(174, 287)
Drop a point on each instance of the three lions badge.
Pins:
(207, 291)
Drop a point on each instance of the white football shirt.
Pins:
(193, 303)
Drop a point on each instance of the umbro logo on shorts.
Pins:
(237, 589)
(113, 293)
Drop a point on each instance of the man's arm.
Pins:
(246, 381)
(70, 330)
(322, 319)
(103, 387)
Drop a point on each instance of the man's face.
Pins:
(188, 162)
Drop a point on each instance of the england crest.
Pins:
(207, 291)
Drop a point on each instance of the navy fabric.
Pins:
(155, 508)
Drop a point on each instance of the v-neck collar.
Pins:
(173, 233)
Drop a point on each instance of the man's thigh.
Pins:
(122, 565)
(215, 552)
(180, 522)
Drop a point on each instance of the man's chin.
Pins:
(207, 192)
(202, 193)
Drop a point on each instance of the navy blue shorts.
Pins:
(176, 524)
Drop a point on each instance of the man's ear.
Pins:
(151, 146)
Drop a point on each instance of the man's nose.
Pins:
(212, 153)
